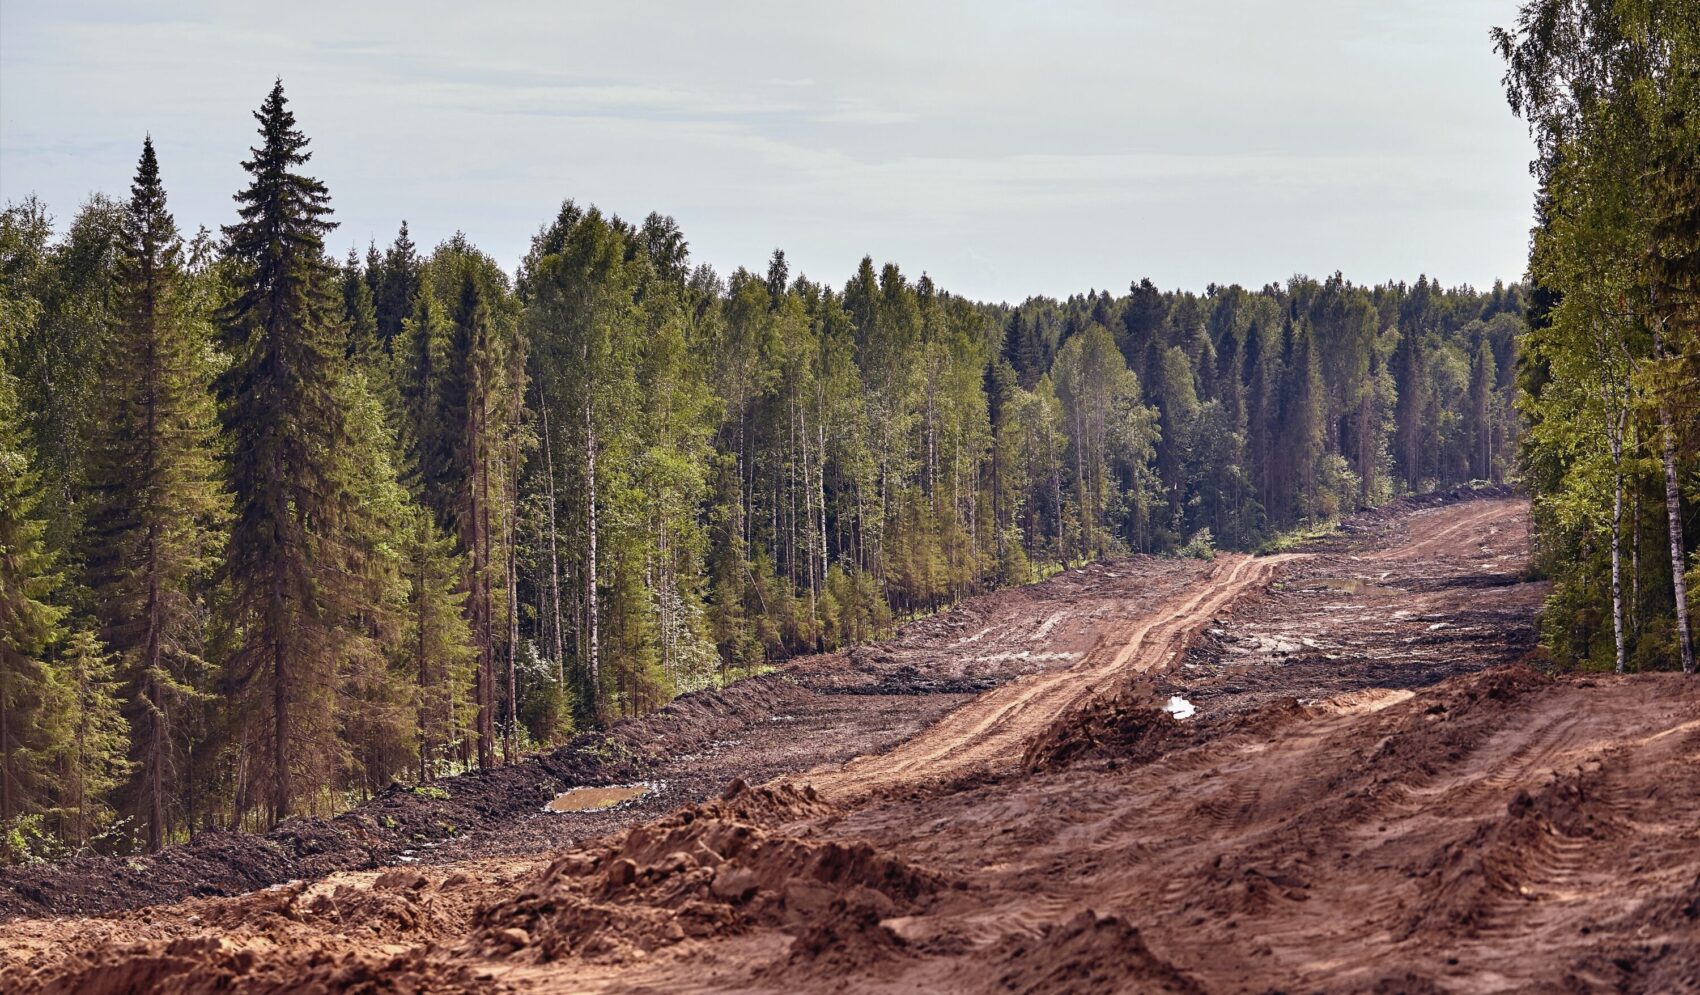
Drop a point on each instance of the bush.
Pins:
(1202, 546)
(25, 840)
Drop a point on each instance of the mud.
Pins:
(595, 799)
(1378, 792)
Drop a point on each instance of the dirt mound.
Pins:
(215, 966)
(1452, 720)
(1089, 953)
(704, 871)
(1126, 726)
(848, 938)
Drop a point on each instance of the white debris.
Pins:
(1180, 708)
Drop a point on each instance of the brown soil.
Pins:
(594, 799)
(819, 709)
(1374, 795)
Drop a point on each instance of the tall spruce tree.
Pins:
(283, 427)
(156, 500)
(29, 626)
(358, 309)
(396, 286)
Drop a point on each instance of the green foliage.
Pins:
(25, 839)
(155, 508)
(292, 548)
(93, 738)
(464, 514)
(30, 626)
(1200, 547)
(1609, 367)
(1296, 538)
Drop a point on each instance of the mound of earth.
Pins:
(706, 870)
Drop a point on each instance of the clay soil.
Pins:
(1380, 789)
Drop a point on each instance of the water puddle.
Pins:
(595, 799)
(1180, 708)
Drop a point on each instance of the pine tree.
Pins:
(438, 643)
(1480, 401)
(465, 415)
(93, 739)
(396, 286)
(1302, 427)
(424, 454)
(155, 494)
(359, 311)
(375, 687)
(30, 624)
(1408, 377)
(283, 425)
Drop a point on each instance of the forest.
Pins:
(280, 528)
(1609, 381)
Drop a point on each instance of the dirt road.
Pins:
(1373, 795)
(994, 728)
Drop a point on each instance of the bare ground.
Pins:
(1373, 796)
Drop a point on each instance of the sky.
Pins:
(1005, 147)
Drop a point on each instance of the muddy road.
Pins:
(1372, 790)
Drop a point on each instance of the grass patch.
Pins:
(1291, 539)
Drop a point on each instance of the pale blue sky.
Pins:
(1007, 147)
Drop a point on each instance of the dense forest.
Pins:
(280, 528)
(1609, 381)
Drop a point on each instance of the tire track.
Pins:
(992, 729)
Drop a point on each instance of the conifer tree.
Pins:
(93, 739)
(155, 497)
(397, 284)
(417, 358)
(438, 643)
(1408, 376)
(465, 409)
(359, 311)
(30, 624)
(283, 426)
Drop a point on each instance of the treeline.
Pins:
(1611, 376)
(279, 529)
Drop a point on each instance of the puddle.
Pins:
(1353, 585)
(595, 799)
(1180, 708)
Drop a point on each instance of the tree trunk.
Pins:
(1673, 508)
(1635, 564)
(421, 585)
(5, 744)
(1366, 451)
(513, 620)
(277, 622)
(480, 526)
(156, 725)
(1616, 565)
(1614, 438)
(554, 546)
(590, 578)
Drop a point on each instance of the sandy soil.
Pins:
(1374, 794)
